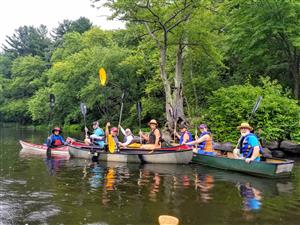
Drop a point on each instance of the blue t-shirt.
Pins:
(253, 141)
(100, 133)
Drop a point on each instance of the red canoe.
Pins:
(42, 149)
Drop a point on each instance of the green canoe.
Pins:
(274, 168)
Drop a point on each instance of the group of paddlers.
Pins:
(248, 146)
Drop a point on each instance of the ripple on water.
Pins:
(43, 214)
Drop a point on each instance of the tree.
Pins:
(278, 114)
(28, 40)
(80, 26)
(264, 38)
(164, 22)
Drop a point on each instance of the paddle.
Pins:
(139, 110)
(121, 110)
(103, 82)
(255, 107)
(52, 103)
(175, 117)
(102, 76)
(83, 111)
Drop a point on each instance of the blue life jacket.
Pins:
(182, 135)
(55, 140)
(246, 148)
(202, 144)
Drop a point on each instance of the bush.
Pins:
(278, 114)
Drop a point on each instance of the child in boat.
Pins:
(55, 138)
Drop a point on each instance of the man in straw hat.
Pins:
(154, 138)
(248, 147)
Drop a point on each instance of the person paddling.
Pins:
(154, 138)
(97, 137)
(205, 141)
(55, 138)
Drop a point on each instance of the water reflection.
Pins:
(251, 196)
(204, 183)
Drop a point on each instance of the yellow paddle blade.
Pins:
(102, 76)
(111, 144)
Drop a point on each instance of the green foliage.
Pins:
(278, 115)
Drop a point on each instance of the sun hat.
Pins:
(245, 125)
(202, 126)
(153, 121)
(57, 129)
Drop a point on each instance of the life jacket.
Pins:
(246, 148)
(182, 135)
(152, 137)
(56, 140)
(206, 145)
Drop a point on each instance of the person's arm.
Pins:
(144, 136)
(198, 141)
(107, 129)
(157, 137)
(128, 141)
(253, 141)
(177, 135)
(255, 154)
(122, 130)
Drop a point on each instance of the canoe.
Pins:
(273, 168)
(42, 149)
(179, 154)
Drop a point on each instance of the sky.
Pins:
(17, 13)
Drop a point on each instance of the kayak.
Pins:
(271, 167)
(181, 154)
(42, 149)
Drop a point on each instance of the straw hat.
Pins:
(245, 125)
(153, 121)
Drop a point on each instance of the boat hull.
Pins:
(42, 149)
(134, 156)
(275, 168)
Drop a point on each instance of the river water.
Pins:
(34, 190)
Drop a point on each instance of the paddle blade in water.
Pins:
(102, 76)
